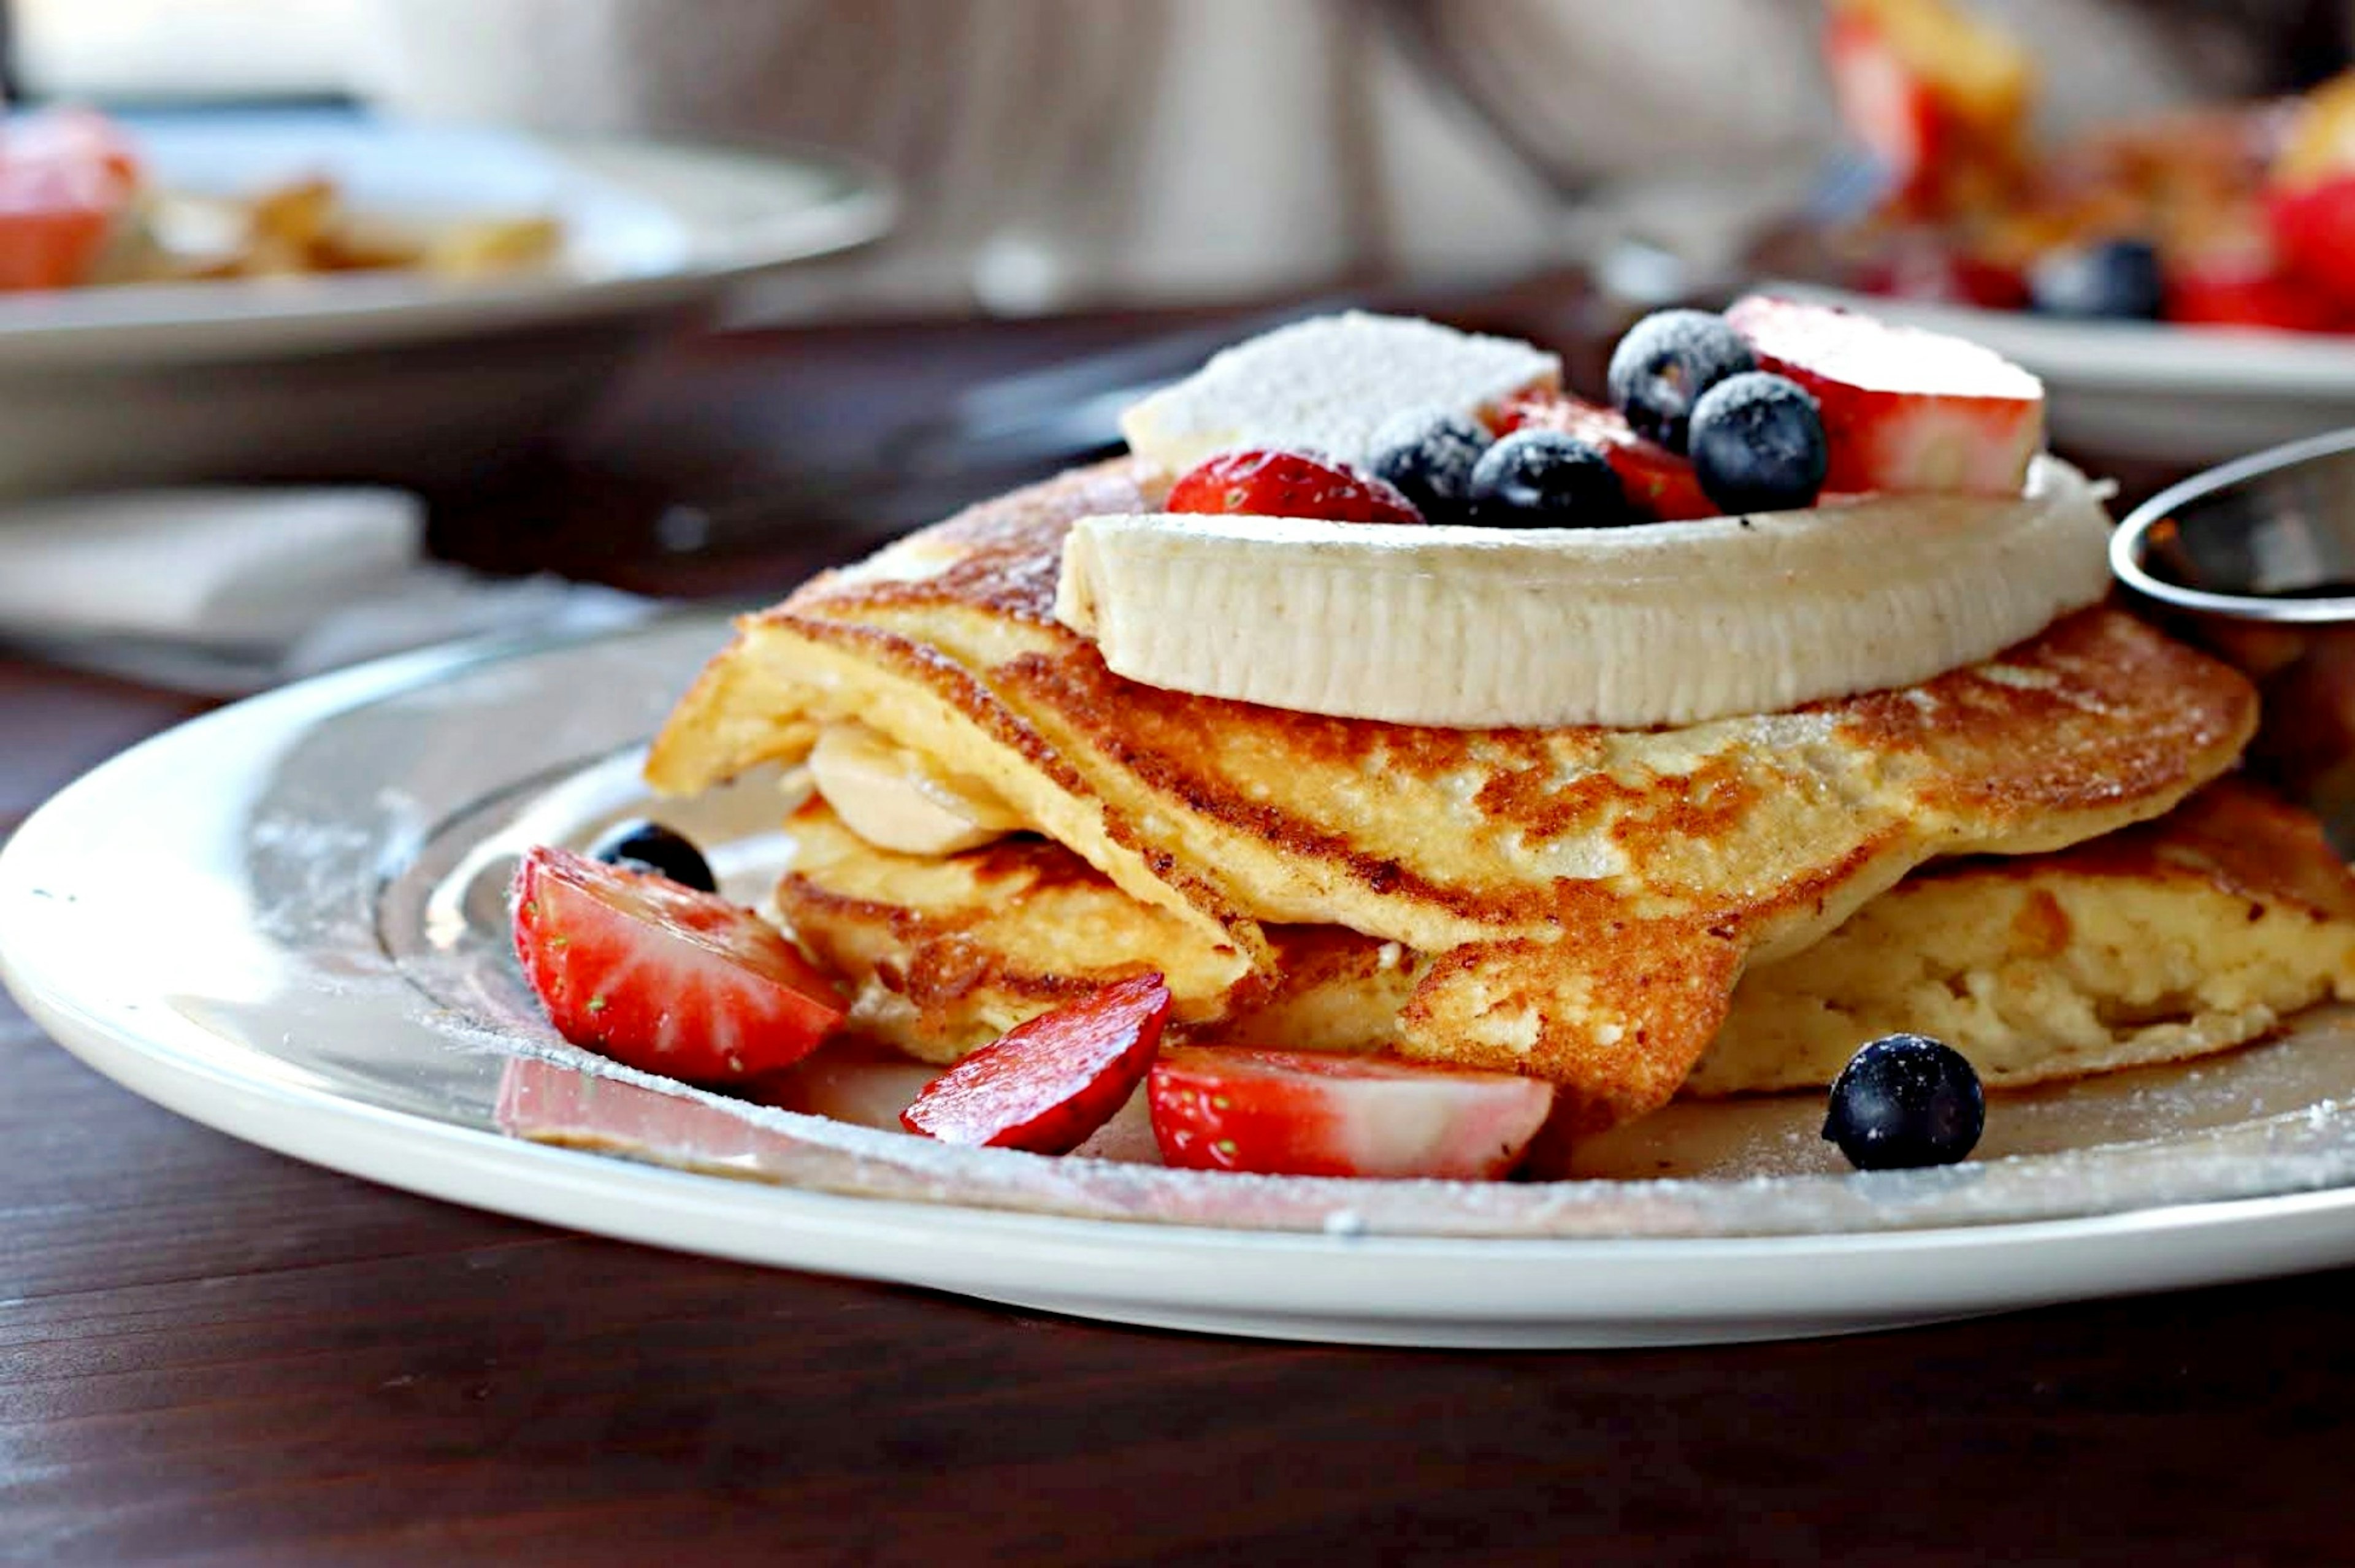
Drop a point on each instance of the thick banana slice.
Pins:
(893, 799)
(1656, 624)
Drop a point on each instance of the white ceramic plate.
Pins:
(286, 920)
(2189, 395)
(335, 373)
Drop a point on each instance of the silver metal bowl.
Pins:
(2269, 537)
(2255, 561)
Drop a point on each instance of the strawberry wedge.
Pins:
(1296, 1112)
(1045, 1085)
(663, 978)
(1903, 409)
(1659, 485)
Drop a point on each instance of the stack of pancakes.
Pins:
(2032, 858)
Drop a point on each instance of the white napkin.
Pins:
(224, 590)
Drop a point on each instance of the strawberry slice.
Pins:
(66, 177)
(2225, 297)
(663, 978)
(1886, 107)
(1045, 1085)
(1938, 97)
(1903, 409)
(2313, 228)
(1298, 1112)
(1261, 483)
(1659, 483)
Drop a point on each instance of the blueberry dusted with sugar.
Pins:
(1664, 364)
(2115, 280)
(643, 846)
(1544, 479)
(1906, 1100)
(1758, 444)
(1429, 453)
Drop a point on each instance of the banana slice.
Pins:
(1656, 624)
(890, 797)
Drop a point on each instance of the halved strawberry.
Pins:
(1885, 106)
(1045, 1085)
(1903, 409)
(2313, 231)
(1298, 1112)
(2230, 297)
(1659, 483)
(66, 178)
(1260, 483)
(663, 978)
(1937, 96)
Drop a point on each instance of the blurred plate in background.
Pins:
(396, 375)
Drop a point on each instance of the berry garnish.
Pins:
(2116, 280)
(1906, 1100)
(1046, 1085)
(663, 978)
(1430, 454)
(1301, 1113)
(1758, 444)
(1259, 483)
(644, 846)
(1664, 364)
(1904, 410)
(1543, 479)
(1659, 485)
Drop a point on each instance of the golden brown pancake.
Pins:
(2186, 935)
(1588, 897)
(2197, 932)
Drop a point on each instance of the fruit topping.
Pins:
(1264, 484)
(2207, 295)
(1294, 1112)
(1046, 1085)
(1543, 479)
(644, 845)
(1659, 485)
(1429, 456)
(1906, 1100)
(1902, 410)
(1663, 365)
(664, 978)
(2110, 280)
(1758, 444)
(1936, 95)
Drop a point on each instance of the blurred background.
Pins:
(1064, 153)
(684, 297)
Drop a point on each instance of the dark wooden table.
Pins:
(209, 1353)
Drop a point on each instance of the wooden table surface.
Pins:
(209, 1353)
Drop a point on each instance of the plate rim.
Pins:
(964, 1250)
(1781, 1288)
(216, 320)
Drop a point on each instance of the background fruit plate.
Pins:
(287, 920)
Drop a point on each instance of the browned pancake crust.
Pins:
(1589, 896)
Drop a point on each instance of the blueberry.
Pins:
(1906, 1100)
(1758, 444)
(1429, 453)
(1544, 479)
(644, 845)
(1665, 362)
(2115, 280)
